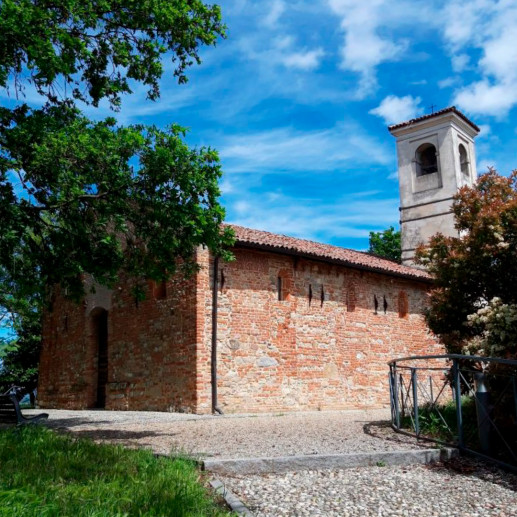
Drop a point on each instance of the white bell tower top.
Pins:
(436, 157)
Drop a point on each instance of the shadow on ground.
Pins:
(483, 470)
(382, 430)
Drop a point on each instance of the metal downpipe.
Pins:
(215, 288)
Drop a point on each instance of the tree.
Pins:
(473, 306)
(93, 50)
(386, 244)
(78, 196)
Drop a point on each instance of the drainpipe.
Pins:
(215, 407)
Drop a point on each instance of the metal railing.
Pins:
(468, 402)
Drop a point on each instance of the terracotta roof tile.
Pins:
(451, 109)
(282, 243)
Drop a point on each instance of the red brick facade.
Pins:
(320, 344)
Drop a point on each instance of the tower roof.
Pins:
(451, 109)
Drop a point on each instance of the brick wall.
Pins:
(290, 354)
(151, 349)
(273, 355)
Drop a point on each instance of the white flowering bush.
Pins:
(496, 326)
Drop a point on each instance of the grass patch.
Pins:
(443, 428)
(45, 474)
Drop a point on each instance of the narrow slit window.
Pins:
(280, 288)
(160, 290)
(403, 305)
(375, 303)
(350, 298)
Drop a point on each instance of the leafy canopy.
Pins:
(91, 50)
(386, 244)
(78, 196)
(101, 199)
(476, 273)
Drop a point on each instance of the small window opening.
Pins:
(464, 160)
(160, 290)
(350, 298)
(403, 305)
(310, 294)
(223, 280)
(322, 296)
(375, 303)
(279, 288)
(385, 305)
(426, 160)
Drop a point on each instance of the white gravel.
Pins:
(237, 436)
(459, 488)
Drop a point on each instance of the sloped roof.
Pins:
(451, 109)
(267, 241)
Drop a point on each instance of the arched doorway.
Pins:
(100, 336)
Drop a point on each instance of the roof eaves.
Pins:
(451, 109)
(332, 260)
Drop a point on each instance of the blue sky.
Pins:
(298, 97)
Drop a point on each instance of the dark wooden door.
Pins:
(102, 375)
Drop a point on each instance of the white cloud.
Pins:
(485, 98)
(276, 9)
(395, 109)
(448, 82)
(460, 62)
(324, 222)
(369, 39)
(490, 27)
(485, 130)
(309, 60)
(484, 165)
(284, 150)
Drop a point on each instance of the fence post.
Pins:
(392, 401)
(396, 396)
(414, 384)
(457, 395)
(482, 409)
(515, 393)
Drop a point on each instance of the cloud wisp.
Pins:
(343, 147)
(395, 109)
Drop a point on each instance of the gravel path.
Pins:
(459, 488)
(236, 436)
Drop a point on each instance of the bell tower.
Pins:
(436, 157)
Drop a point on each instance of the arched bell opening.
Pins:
(426, 160)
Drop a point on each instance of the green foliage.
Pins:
(477, 267)
(101, 199)
(19, 356)
(386, 244)
(93, 50)
(444, 427)
(47, 474)
(78, 196)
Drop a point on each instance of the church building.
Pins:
(289, 325)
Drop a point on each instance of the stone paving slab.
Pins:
(279, 464)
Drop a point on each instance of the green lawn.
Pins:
(45, 474)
